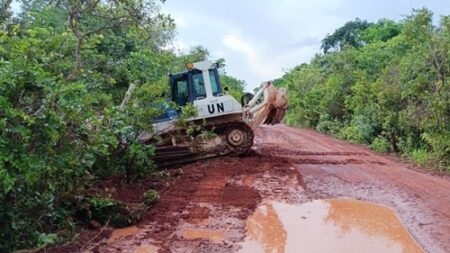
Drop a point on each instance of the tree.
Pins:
(383, 30)
(60, 86)
(88, 18)
(349, 34)
(235, 86)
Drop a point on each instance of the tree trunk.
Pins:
(78, 65)
(393, 141)
(127, 96)
(73, 25)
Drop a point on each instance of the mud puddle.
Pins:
(123, 234)
(215, 236)
(120, 233)
(335, 225)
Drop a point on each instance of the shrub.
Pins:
(380, 144)
(420, 156)
(151, 196)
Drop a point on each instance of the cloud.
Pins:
(263, 61)
(254, 56)
(305, 42)
(286, 34)
(305, 18)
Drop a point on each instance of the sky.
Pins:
(262, 39)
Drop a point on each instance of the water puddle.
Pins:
(122, 232)
(335, 225)
(212, 235)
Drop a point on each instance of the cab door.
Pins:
(180, 89)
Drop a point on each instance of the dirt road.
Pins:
(243, 204)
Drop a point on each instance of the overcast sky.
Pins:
(261, 39)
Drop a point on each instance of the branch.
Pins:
(106, 27)
(73, 25)
(96, 235)
(127, 96)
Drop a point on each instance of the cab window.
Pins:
(215, 86)
(198, 85)
(181, 94)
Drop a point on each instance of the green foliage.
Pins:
(420, 156)
(47, 239)
(107, 211)
(184, 123)
(385, 84)
(186, 127)
(100, 209)
(100, 203)
(349, 34)
(151, 196)
(439, 143)
(380, 144)
(5, 12)
(195, 54)
(383, 30)
(235, 87)
(65, 67)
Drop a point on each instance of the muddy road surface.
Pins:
(298, 191)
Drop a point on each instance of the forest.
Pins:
(66, 65)
(385, 84)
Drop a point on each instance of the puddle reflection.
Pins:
(335, 225)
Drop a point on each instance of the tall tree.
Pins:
(91, 17)
(349, 34)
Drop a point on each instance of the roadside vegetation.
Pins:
(65, 67)
(385, 84)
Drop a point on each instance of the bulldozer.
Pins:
(232, 123)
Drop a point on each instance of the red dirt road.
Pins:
(204, 210)
(332, 168)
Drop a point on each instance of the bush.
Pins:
(352, 134)
(327, 125)
(101, 209)
(440, 146)
(420, 156)
(380, 144)
(151, 196)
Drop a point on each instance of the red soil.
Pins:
(289, 165)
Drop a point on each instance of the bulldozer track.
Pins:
(182, 156)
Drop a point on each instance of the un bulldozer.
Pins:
(233, 123)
